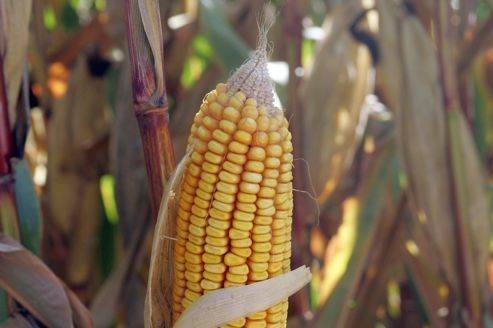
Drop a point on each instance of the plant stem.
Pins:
(149, 93)
(6, 142)
(451, 103)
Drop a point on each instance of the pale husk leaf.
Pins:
(227, 304)
(160, 281)
(410, 84)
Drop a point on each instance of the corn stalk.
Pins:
(145, 44)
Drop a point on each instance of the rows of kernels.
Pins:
(239, 234)
(224, 199)
(234, 183)
(287, 205)
(213, 140)
(269, 139)
(188, 188)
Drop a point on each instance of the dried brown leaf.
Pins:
(33, 285)
(160, 282)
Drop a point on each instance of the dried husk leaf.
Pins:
(14, 24)
(160, 282)
(227, 304)
(333, 95)
(411, 89)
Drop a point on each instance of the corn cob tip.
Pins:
(252, 77)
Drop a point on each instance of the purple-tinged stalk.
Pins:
(6, 143)
(145, 44)
(8, 214)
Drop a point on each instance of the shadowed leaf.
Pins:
(33, 285)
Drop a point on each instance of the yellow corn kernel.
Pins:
(209, 285)
(261, 238)
(259, 257)
(258, 315)
(231, 114)
(258, 276)
(232, 167)
(238, 234)
(243, 252)
(231, 259)
(216, 241)
(216, 277)
(242, 225)
(237, 278)
(258, 267)
(247, 208)
(227, 126)
(215, 268)
(239, 269)
(246, 198)
(247, 242)
(211, 258)
(216, 250)
(242, 215)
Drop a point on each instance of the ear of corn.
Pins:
(235, 207)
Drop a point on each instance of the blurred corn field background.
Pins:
(390, 104)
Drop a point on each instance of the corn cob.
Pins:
(235, 202)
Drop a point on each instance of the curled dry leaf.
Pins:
(33, 285)
(334, 93)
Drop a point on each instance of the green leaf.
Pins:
(229, 48)
(49, 18)
(69, 18)
(28, 208)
